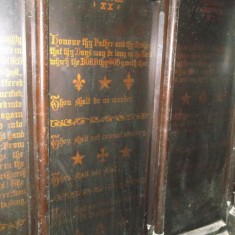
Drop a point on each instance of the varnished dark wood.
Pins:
(28, 69)
(171, 11)
(154, 83)
(176, 195)
(42, 112)
(230, 170)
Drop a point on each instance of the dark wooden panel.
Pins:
(14, 145)
(99, 115)
(200, 126)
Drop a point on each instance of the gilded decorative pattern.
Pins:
(17, 224)
(95, 120)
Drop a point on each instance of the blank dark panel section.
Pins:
(200, 129)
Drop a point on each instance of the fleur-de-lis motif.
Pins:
(79, 82)
(129, 81)
(125, 152)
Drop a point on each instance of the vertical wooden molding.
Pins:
(230, 165)
(157, 34)
(229, 177)
(42, 112)
(164, 112)
(28, 73)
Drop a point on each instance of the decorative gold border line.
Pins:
(15, 225)
(95, 120)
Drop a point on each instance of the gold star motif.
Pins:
(78, 159)
(129, 81)
(125, 152)
(186, 99)
(104, 83)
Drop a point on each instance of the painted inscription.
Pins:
(110, 5)
(98, 120)
(13, 154)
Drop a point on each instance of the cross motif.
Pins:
(102, 155)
